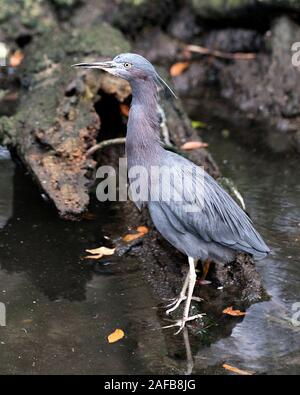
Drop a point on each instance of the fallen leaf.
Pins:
(198, 124)
(236, 370)
(230, 311)
(124, 109)
(117, 335)
(16, 58)
(190, 145)
(141, 231)
(98, 253)
(27, 321)
(178, 68)
(132, 236)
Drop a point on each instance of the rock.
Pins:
(156, 46)
(234, 40)
(260, 94)
(24, 17)
(183, 25)
(131, 15)
(56, 121)
(237, 8)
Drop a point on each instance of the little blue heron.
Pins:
(215, 228)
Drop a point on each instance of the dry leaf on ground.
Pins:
(117, 335)
(98, 253)
(236, 313)
(236, 370)
(178, 68)
(190, 145)
(141, 231)
(16, 58)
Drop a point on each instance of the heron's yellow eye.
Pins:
(127, 65)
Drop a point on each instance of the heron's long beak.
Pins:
(109, 65)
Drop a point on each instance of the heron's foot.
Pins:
(181, 323)
(177, 301)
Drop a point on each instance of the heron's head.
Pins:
(129, 66)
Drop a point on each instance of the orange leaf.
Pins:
(190, 145)
(16, 58)
(142, 231)
(178, 68)
(132, 236)
(124, 109)
(117, 335)
(236, 370)
(236, 313)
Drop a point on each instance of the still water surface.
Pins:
(60, 310)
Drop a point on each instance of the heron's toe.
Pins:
(181, 323)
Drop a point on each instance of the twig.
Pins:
(220, 54)
(105, 143)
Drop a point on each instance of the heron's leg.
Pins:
(182, 296)
(191, 285)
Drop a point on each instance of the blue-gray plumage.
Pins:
(214, 227)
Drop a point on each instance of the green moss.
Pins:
(228, 8)
(65, 3)
(7, 129)
(103, 40)
(32, 14)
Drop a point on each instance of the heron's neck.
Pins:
(143, 144)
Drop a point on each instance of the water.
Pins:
(60, 309)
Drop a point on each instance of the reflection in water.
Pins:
(6, 186)
(60, 310)
(265, 341)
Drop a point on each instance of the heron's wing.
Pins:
(208, 211)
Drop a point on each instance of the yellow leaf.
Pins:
(117, 335)
(98, 253)
(232, 312)
(190, 145)
(236, 370)
(178, 68)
